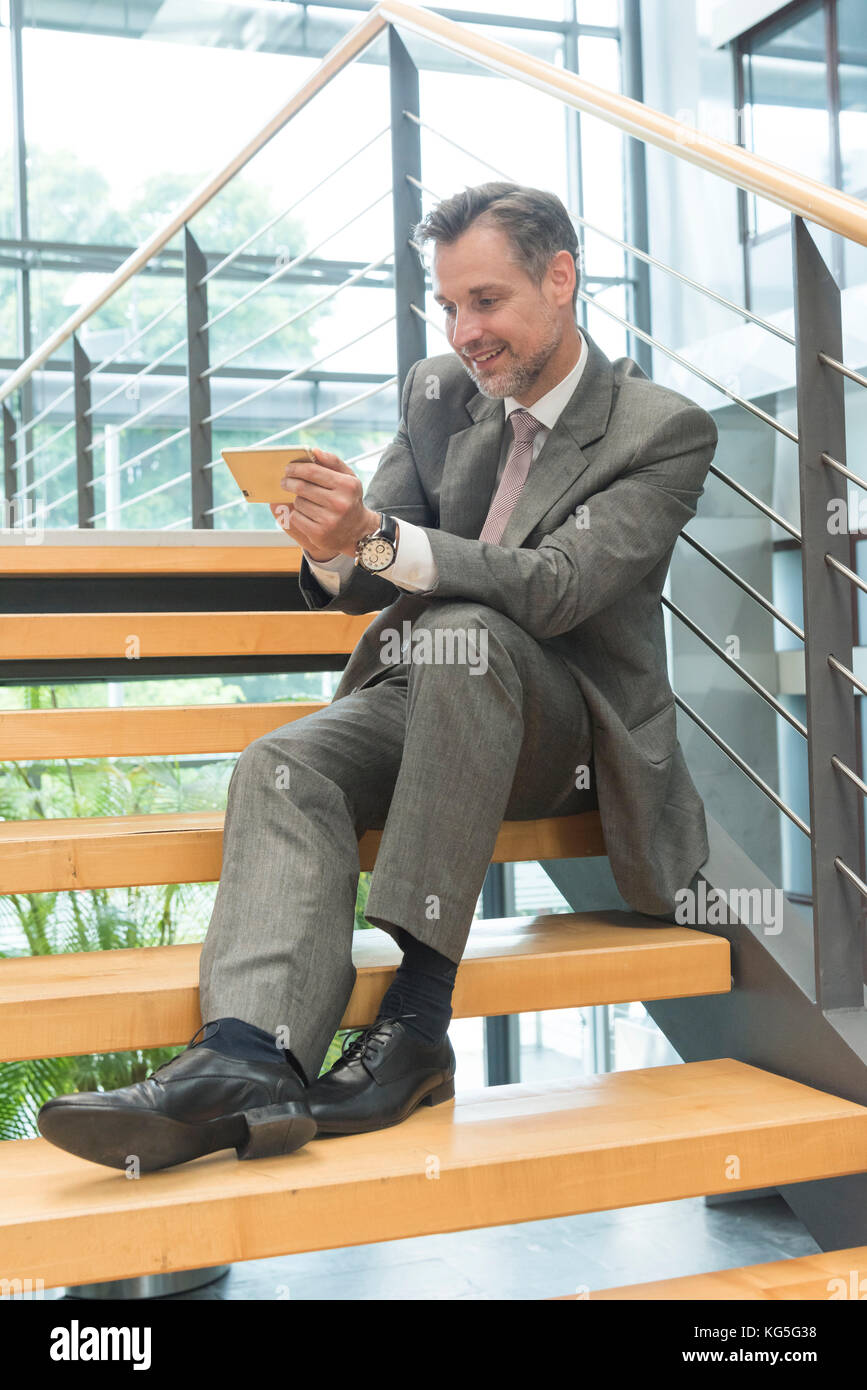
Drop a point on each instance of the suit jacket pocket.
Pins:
(656, 737)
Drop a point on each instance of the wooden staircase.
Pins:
(499, 1155)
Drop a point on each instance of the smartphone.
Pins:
(258, 471)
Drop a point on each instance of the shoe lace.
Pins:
(191, 1043)
(356, 1046)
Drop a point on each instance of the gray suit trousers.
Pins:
(436, 755)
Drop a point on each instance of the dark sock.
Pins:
(422, 986)
(234, 1038)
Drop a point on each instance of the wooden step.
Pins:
(829, 1275)
(112, 553)
(39, 856)
(110, 1001)
(46, 636)
(142, 732)
(503, 1154)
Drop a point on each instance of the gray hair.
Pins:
(536, 223)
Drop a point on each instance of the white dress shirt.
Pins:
(414, 568)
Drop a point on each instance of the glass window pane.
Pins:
(787, 106)
(7, 204)
(8, 313)
(852, 43)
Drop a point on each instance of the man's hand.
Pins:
(328, 515)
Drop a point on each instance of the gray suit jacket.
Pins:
(580, 567)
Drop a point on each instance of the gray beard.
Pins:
(517, 379)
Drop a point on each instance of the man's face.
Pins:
(493, 307)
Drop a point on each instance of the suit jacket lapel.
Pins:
(470, 468)
(472, 455)
(561, 460)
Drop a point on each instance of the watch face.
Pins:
(377, 554)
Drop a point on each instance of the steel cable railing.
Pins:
(300, 314)
(282, 270)
(743, 765)
(625, 245)
(303, 425)
(295, 374)
(278, 217)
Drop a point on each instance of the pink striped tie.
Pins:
(524, 429)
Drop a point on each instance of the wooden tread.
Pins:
(828, 1276)
(111, 1001)
(133, 731)
(134, 636)
(215, 554)
(40, 856)
(503, 1154)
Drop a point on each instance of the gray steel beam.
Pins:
(502, 1031)
(199, 386)
(831, 704)
(409, 275)
(636, 187)
(83, 433)
(22, 223)
(9, 454)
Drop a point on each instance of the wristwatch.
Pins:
(378, 550)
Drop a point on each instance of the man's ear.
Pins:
(561, 276)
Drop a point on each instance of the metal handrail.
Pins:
(64, 429)
(691, 367)
(31, 424)
(298, 371)
(745, 675)
(344, 51)
(134, 419)
(291, 265)
(609, 236)
(278, 217)
(299, 314)
(744, 766)
(841, 468)
(847, 772)
(142, 496)
(845, 570)
(755, 501)
(850, 675)
(745, 585)
(302, 425)
(831, 208)
(44, 478)
(795, 192)
(332, 410)
(136, 376)
(842, 369)
(131, 342)
(851, 875)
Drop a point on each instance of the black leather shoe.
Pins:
(383, 1074)
(195, 1103)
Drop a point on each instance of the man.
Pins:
(516, 538)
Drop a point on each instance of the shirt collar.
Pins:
(548, 408)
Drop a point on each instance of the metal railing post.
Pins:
(199, 393)
(831, 710)
(502, 1031)
(9, 456)
(83, 433)
(636, 187)
(409, 276)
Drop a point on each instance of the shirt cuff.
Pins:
(415, 568)
(332, 573)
